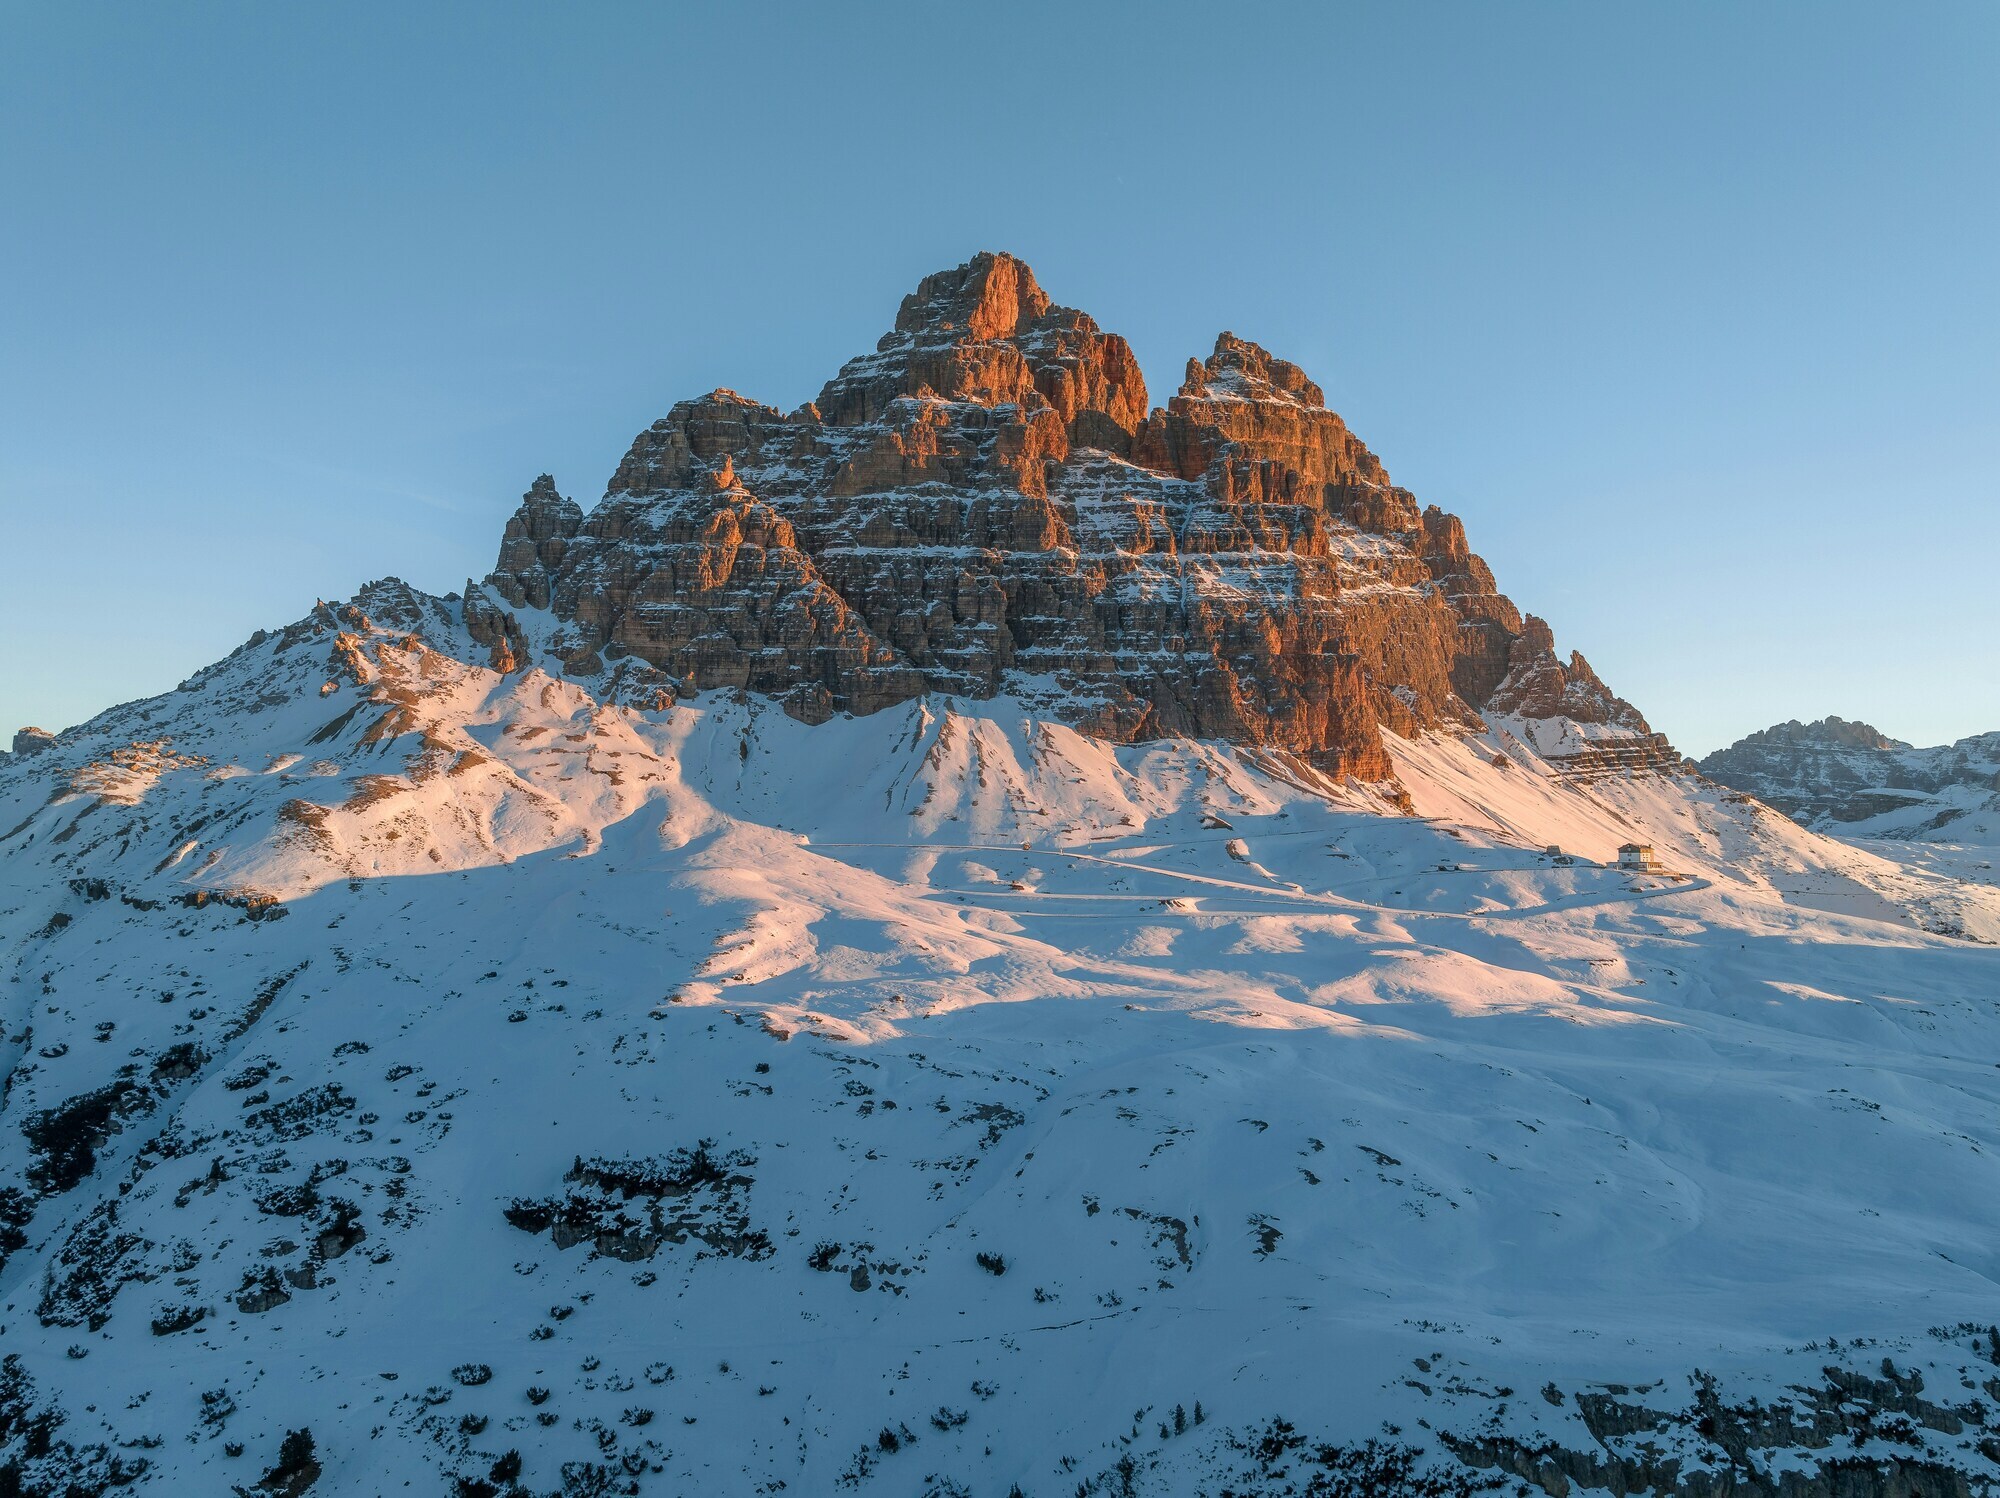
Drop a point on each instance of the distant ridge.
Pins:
(1851, 777)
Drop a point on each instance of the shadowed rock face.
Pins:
(985, 503)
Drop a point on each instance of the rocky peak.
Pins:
(33, 741)
(536, 538)
(1241, 367)
(684, 444)
(391, 603)
(1446, 551)
(985, 504)
(1245, 404)
(544, 513)
(1539, 684)
(987, 334)
(990, 296)
(1828, 733)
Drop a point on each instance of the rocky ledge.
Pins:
(987, 503)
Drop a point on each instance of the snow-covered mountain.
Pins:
(668, 1020)
(1852, 779)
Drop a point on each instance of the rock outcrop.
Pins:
(1841, 774)
(1539, 685)
(986, 504)
(33, 741)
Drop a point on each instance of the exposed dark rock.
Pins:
(1716, 1449)
(37, 1461)
(626, 1209)
(179, 1062)
(178, 1318)
(1277, 1458)
(33, 741)
(66, 1138)
(299, 1116)
(99, 1257)
(261, 1291)
(296, 1469)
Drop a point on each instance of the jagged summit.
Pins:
(1241, 366)
(532, 546)
(987, 503)
(987, 334)
(990, 296)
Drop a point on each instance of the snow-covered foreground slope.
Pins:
(693, 1101)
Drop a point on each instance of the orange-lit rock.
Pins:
(984, 504)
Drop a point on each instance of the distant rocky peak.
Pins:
(391, 603)
(682, 447)
(1837, 772)
(535, 541)
(1446, 552)
(1245, 404)
(1830, 732)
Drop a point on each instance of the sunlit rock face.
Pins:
(986, 503)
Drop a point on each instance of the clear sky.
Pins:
(1691, 311)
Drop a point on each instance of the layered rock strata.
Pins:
(987, 503)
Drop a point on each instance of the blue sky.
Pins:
(1692, 312)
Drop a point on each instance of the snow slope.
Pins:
(451, 1065)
